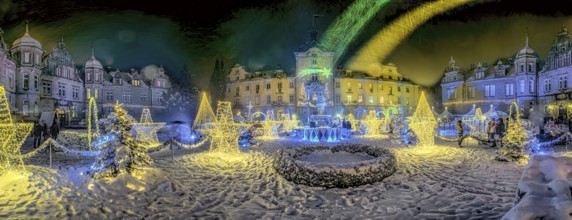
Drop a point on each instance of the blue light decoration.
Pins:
(102, 140)
(322, 134)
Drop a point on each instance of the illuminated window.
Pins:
(360, 98)
(359, 86)
(381, 99)
(370, 100)
(349, 98)
(370, 86)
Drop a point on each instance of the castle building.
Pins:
(317, 89)
(536, 86)
(39, 81)
(554, 89)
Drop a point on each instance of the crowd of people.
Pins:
(495, 129)
(41, 132)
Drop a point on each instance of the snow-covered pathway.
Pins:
(440, 182)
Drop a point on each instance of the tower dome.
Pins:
(92, 62)
(526, 51)
(27, 40)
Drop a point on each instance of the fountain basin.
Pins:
(340, 166)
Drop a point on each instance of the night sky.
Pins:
(263, 33)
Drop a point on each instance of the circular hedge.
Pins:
(332, 175)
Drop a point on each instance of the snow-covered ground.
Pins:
(439, 182)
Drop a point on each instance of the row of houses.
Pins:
(39, 81)
(538, 86)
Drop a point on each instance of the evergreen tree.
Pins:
(123, 154)
(517, 138)
(218, 80)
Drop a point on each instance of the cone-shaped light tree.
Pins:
(205, 113)
(423, 122)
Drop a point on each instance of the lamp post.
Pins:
(249, 106)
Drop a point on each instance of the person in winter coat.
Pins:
(460, 131)
(491, 130)
(45, 131)
(500, 130)
(37, 133)
(55, 130)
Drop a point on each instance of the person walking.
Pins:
(45, 131)
(37, 133)
(460, 131)
(55, 130)
(500, 130)
(491, 131)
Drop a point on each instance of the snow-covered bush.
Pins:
(544, 190)
(74, 139)
(339, 175)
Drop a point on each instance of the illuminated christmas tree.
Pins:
(517, 138)
(423, 122)
(372, 124)
(205, 113)
(124, 154)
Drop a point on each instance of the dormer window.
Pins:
(136, 83)
(480, 75)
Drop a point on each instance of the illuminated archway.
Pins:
(91, 109)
